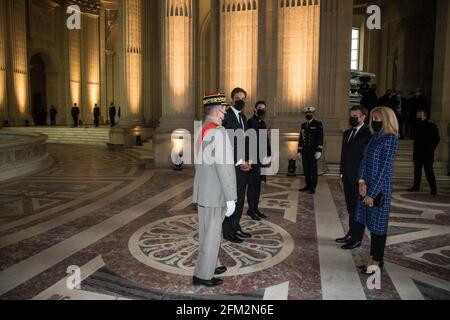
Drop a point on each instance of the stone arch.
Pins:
(53, 83)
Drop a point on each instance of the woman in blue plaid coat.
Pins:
(375, 183)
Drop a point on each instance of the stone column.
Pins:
(130, 63)
(3, 93)
(90, 65)
(441, 80)
(18, 87)
(334, 73)
(178, 80)
(103, 101)
(239, 48)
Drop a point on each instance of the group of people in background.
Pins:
(405, 107)
(112, 112)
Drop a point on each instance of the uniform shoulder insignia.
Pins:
(220, 127)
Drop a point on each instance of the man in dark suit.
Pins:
(75, 114)
(236, 120)
(96, 116)
(310, 148)
(353, 146)
(263, 158)
(426, 140)
(112, 114)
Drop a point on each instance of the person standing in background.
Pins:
(254, 185)
(426, 141)
(75, 114)
(310, 148)
(112, 114)
(53, 113)
(96, 116)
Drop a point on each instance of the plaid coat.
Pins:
(376, 169)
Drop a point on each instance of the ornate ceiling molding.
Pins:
(87, 6)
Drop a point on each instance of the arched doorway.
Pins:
(38, 86)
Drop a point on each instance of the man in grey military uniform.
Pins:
(214, 189)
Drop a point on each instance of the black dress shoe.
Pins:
(254, 216)
(233, 239)
(220, 270)
(244, 235)
(414, 189)
(214, 282)
(345, 239)
(433, 192)
(312, 192)
(365, 269)
(261, 215)
(351, 245)
(304, 189)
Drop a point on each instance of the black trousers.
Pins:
(97, 121)
(254, 189)
(75, 121)
(378, 247)
(310, 168)
(429, 172)
(351, 191)
(53, 121)
(232, 225)
(113, 122)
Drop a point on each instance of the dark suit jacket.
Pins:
(231, 122)
(353, 153)
(426, 140)
(257, 124)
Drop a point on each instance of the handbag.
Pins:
(379, 201)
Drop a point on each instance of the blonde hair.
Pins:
(390, 122)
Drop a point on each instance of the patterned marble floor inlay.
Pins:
(131, 233)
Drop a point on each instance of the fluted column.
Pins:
(178, 82)
(19, 108)
(441, 79)
(131, 63)
(3, 93)
(90, 65)
(239, 47)
(334, 71)
(298, 29)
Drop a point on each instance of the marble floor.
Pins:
(130, 233)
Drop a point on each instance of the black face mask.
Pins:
(354, 122)
(377, 126)
(239, 105)
(261, 113)
(309, 118)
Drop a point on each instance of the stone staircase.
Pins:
(67, 135)
(404, 166)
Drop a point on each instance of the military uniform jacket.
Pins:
(215, 183)
(311, 136)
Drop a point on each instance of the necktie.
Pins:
(352, 136)
(241, 121)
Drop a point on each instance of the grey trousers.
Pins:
(210, 237)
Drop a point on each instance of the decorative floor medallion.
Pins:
(171, 245)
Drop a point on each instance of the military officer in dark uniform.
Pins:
(75, 114)
(310, 148)
(96, 116)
